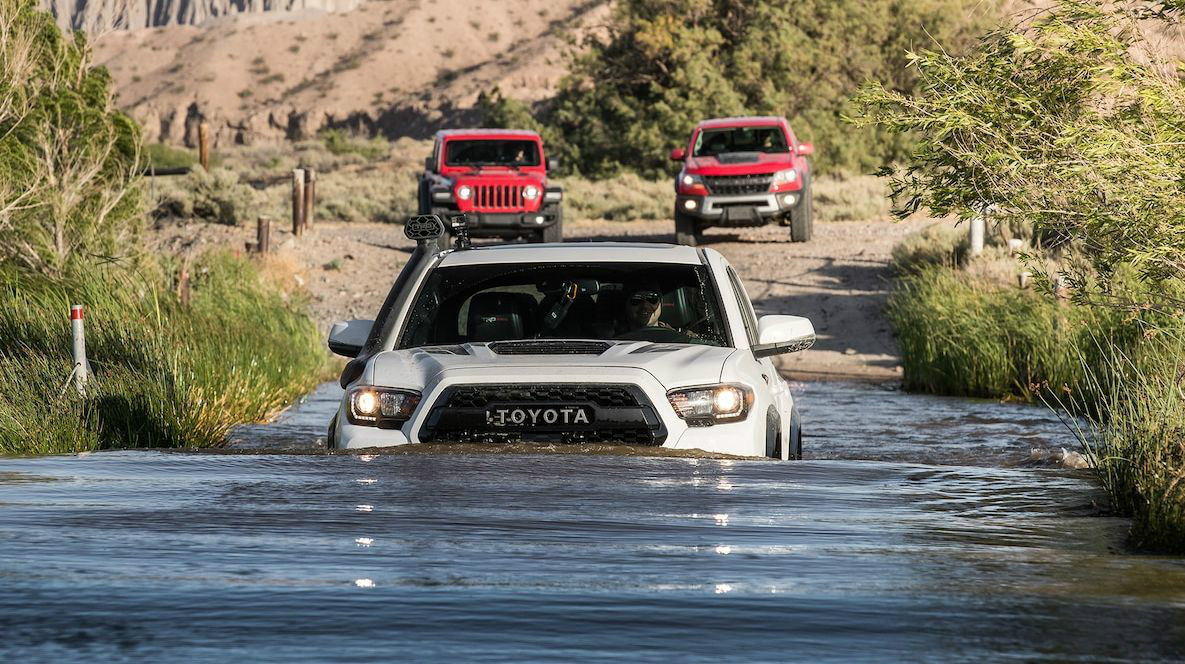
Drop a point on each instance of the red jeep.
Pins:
(743, 172)
(499, 178)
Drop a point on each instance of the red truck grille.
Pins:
(498, 197)
(733, 185)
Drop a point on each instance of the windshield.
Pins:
(644, 302)
(711, 142)
(502, 152)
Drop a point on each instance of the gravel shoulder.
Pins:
(840, 279)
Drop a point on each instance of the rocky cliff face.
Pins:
(99, 16)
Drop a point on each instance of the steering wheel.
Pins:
(656, 333)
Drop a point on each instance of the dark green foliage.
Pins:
(1070, 125)
(638, 88)
(160, 155)
(69, 162)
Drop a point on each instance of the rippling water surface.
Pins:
(918, 528)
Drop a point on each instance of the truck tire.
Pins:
(554, 232)
(795, 435)
(331, 435)
(687, 230)
(802, 219)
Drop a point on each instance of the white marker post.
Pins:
(79, 333)
(977, 233)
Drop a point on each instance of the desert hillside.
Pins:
(394, 67)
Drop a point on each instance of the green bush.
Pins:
(638, 87)
(218, 196)
(164, 376)
(69, 162)
(339, 142)
(159, 155)
(620, 198)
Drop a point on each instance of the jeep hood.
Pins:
(740, 163)
(673, 365)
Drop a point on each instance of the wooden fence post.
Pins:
(310, 196)
(298, 202)
(204, 145)
(263, 234)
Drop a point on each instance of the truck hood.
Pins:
(496, 175)
(673, 365)
(740, 163)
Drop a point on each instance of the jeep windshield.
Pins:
(491, 152)
(604, 301)
(712, 142)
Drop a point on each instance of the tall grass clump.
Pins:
(164, 375)
(1138, 438)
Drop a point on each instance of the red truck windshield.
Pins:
(505, 152)
(711, 142)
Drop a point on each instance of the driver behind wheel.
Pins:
(643, 306)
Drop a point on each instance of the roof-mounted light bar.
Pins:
(428, 227)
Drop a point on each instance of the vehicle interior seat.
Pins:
(498, 317)
(677, 309)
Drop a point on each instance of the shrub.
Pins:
(619, 198)
(637, 87)
(160, 155)
(69, 162)
(218, 196)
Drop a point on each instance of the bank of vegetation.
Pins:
(1066, 131)
(167, 370)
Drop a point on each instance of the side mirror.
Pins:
(805, 149)
(346, 338)
(552, 163)
(678, 154)
(428, 163)
(783, 334)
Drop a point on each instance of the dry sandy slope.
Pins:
(839, 280)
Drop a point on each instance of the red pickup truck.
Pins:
(743, 172)
(498, 177)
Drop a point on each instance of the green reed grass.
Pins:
(1122, 372)
(164, 376)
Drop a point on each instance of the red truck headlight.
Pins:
(691, 185)
(530, 192)
(464, 192)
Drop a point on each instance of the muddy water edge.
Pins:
(918, 528)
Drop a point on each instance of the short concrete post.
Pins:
(298, 201)
(78, 332)
(204, 146)
(310, 196)
(977, 233)
(263, 234)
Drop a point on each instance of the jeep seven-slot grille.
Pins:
(498, 197)
(556, 347)
(479, 396)
(733, 185)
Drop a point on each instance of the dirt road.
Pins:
(839, 280)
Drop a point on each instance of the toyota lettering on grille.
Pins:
(529, 416)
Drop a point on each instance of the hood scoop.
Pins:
(445, 350)
(738, 157)
(549, 347)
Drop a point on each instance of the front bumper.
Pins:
(449, 412)
(739, 209)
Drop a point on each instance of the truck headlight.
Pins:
(788, 175)
(531, 192)
(711, 404)
(464, 192)
(381, 407)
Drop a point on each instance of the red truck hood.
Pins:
(745, 163)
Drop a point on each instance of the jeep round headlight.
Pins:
(531, 192)
(381, 407)
(711, 404)
(464, 192)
